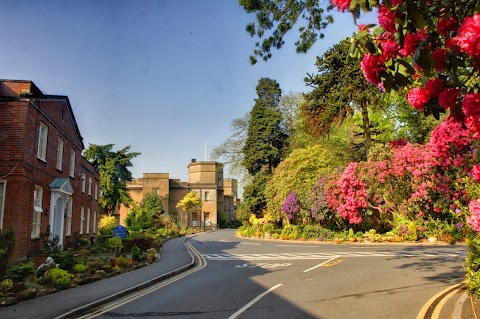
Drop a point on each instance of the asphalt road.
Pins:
(239, 278)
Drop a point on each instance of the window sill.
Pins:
(35, 237)
(42, 159)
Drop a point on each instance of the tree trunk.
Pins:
(366, 129)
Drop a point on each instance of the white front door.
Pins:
(59, 203)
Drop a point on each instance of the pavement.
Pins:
(451, 303)
(174, 259)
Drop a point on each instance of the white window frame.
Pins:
(90, 186)
(82, 219)
(72, 163)
(69, 218)
(59, 164)
(96, 191)
(37, 211)
(207, 195)
(84, 182)
(94, 225)
(2, 200)
(88, 221)
(42, 142)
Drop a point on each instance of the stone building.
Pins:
(219, 195)
(46, 186)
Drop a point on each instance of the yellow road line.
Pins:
(439, 307)
(424, 310)
(202, 263)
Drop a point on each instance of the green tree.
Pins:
(254, 193)
(190, 202)
(152, 205)
(266, 138)
(113, 167)
(276, 17)
(147, 214)
(339, 89)
(265, 145)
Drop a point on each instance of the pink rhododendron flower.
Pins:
(342, 5)
(474, 219)
(371, 66)
(433, 87)
(451, 45)
(471, 105)
(448, 97)
(417, 98)
(389, 48)
(386, 18)
(396, 2)
(468, 38)
(440, 58)
(411, 42)
(446, 25)
(476, 172)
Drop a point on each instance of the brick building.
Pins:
(46, 185)
(204, 178)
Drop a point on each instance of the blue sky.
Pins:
(162, 76)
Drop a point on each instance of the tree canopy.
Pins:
(339, 89)
(275, 18)
(190, 202)
(113, 167)
(266, 139)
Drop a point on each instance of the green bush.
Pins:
(60, 278)
(122, 262)
(95, 264)
(142, 243)
(5, 286)
(64, 259)
(115, 242)
(79, 268)
(316, 231)
(20, 271)
(136, 253)
(7, 244)
(292, 231)
(84, 242)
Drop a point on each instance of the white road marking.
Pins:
(250, 243)
(262, 265)
(320, 265)
(306, 256)
(248, 305)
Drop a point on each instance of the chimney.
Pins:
(194, 160)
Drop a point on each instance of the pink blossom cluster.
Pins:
(453, 35)
(474, 219)
(428, 176)
(354, 193)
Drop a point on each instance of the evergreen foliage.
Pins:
(114, 174)
(266, 139)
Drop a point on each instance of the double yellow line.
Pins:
(202, 263)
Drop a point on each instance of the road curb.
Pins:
(428, 308)
(125, 292)
(316, 242)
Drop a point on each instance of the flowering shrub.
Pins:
(291, 206)
(299, 172)
(416, 181)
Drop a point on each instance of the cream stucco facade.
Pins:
(204, 178)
